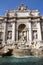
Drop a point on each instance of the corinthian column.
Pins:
(30, 31)
(39, 31)
(5, 32)
(13, 31)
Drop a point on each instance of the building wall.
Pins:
(30, 19)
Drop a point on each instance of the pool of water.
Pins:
(21, 61)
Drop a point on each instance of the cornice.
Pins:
(13, 19)
(36, 20)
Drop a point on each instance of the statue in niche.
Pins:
(23, 36)
(35, 35)
(9, 35)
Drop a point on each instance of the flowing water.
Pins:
(21, 61)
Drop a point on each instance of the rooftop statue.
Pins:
(22, 7)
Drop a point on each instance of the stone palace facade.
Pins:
(21, 25)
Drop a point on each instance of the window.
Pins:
(0, 24)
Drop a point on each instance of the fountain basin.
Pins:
(30, 60)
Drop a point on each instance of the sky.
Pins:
(13, 4)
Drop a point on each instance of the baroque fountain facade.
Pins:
(21, 31)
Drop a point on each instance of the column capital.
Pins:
(29, 19)
(5, 20)
(38, 20)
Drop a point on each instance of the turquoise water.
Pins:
(21, 61)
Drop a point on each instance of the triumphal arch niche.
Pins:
(22, 32)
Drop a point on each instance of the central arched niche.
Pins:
(22, 32)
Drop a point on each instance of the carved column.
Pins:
(17, 32)
(13, 31)
(30, 31)
(39, 31)
(5, 32)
